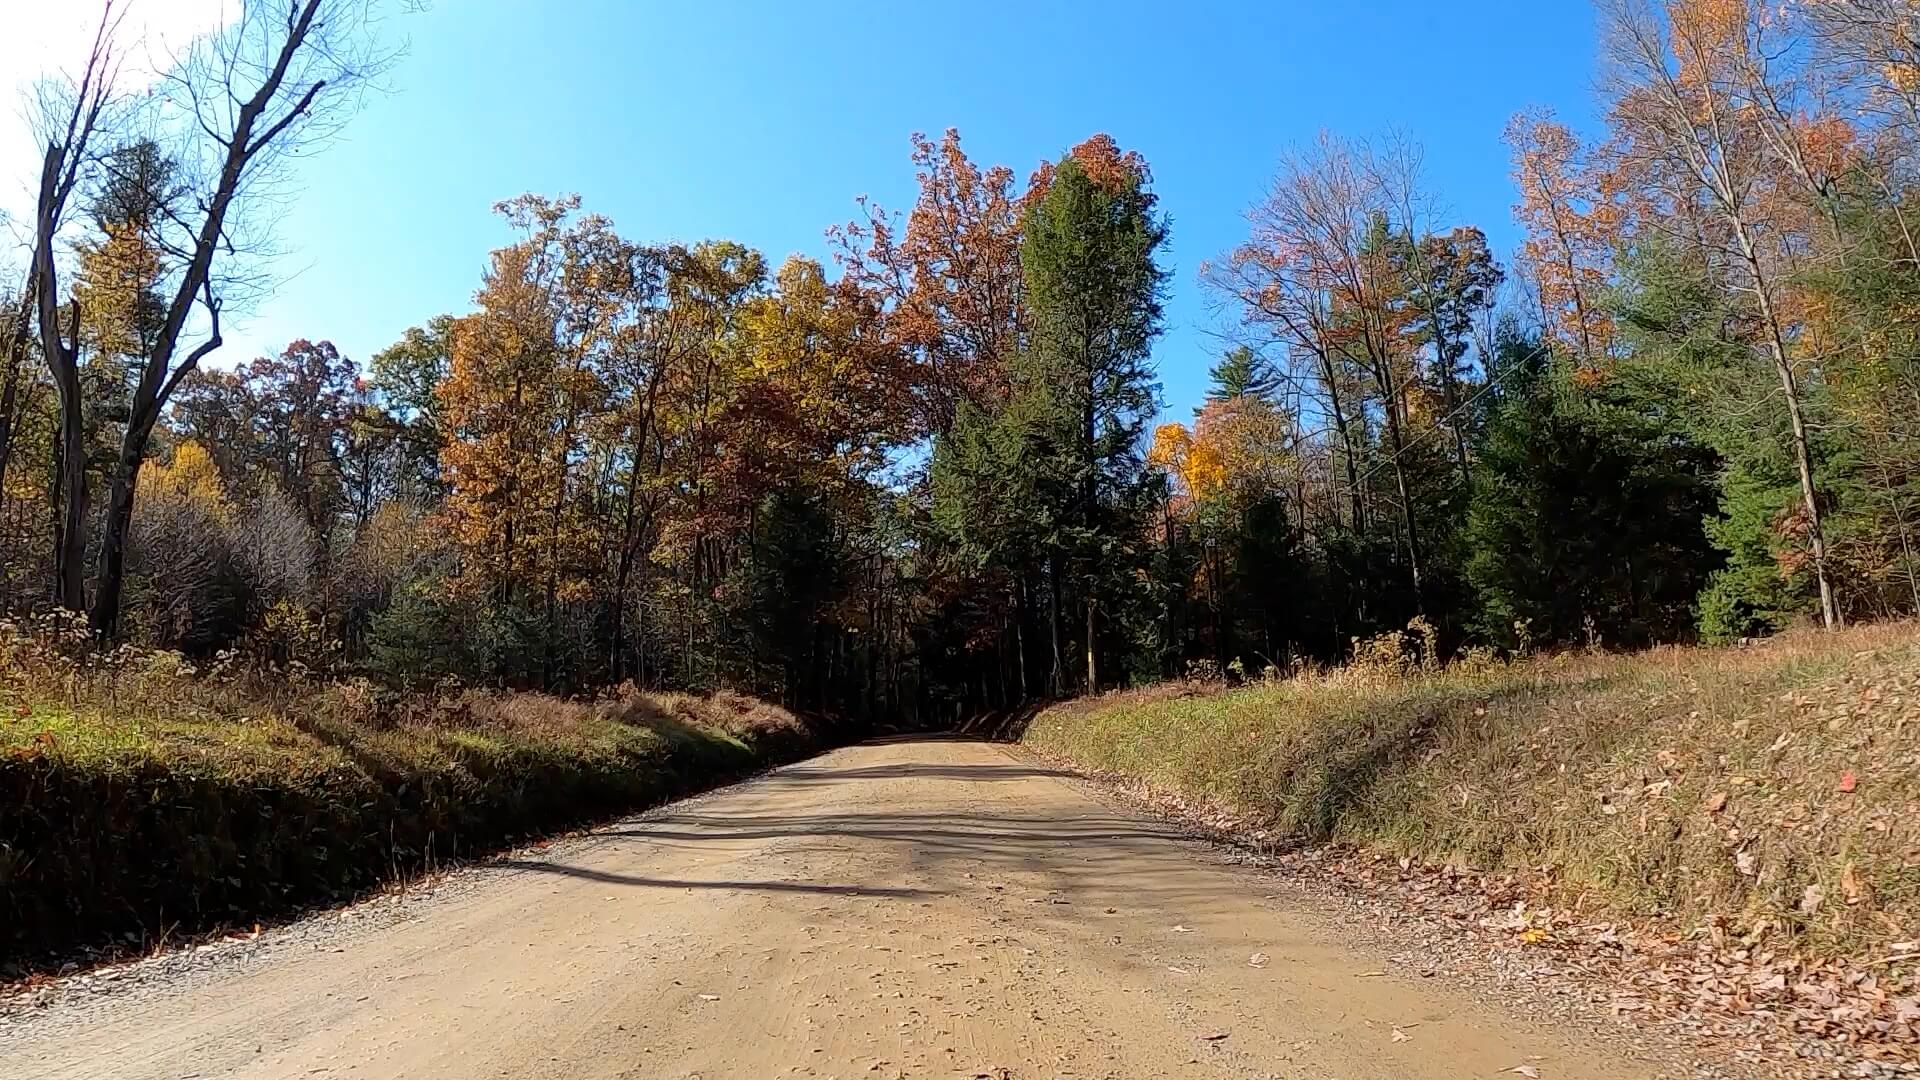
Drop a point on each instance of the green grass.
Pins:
(1600, 778)
(139, 799)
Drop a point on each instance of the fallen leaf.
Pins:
(1850, 888)
(1715, 803)
(1258, 959)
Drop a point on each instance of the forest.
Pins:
(925, 479)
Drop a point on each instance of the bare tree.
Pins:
(1278, 279)
(1322, 243)
(234, 108)
(1436, 271)
(1872, 47)
(69, 123)
(1868, 52)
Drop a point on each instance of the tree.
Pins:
(306, 398)
(1234, 478)
(1682, 100)
(1324, 271)
(1588, 512)
(1452, 279)
(238, 101)
(1277, 281)
(524, 379)
(1242, 373)
(1862, 318)
(1093, 288)
(16, 372)
(1572, 221)
(951, 282)
(184, 591)
(406, 377)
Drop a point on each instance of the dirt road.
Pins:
(915, 908)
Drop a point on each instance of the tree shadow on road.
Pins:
(968, 850)
(813, 774)
(1002, 725)
(608, 878)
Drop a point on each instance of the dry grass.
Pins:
(140, 797)
(1772, 791)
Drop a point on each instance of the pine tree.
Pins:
(1242, 373)
(1084, 387)
(1682, 331)
(1587, 522)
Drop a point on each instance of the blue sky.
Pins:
(763, 121)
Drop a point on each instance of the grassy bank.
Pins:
(1773, 791)
(141, 799)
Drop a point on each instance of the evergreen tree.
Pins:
(1083, 387)
(1242, 373)
(1588, 508)
(1683, 334)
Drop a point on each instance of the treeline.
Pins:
(921, 481)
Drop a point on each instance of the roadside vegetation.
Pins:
(144, 798)
(1765, 793)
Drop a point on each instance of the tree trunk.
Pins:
(1579, 296)
(1020, 637)
(1391, 407)
(1443, 363)
(1406, 517)
(1796, 419)
(1344, 428)
(1451, 394)
(113, 536)
(1809, 497)
(1056, 679)
(70, 527)
(616, 644)
(70, 537)
(1093, 671)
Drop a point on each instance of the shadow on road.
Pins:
(958, 827)
(669, 883)
(1003, 726)
(806, 774)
